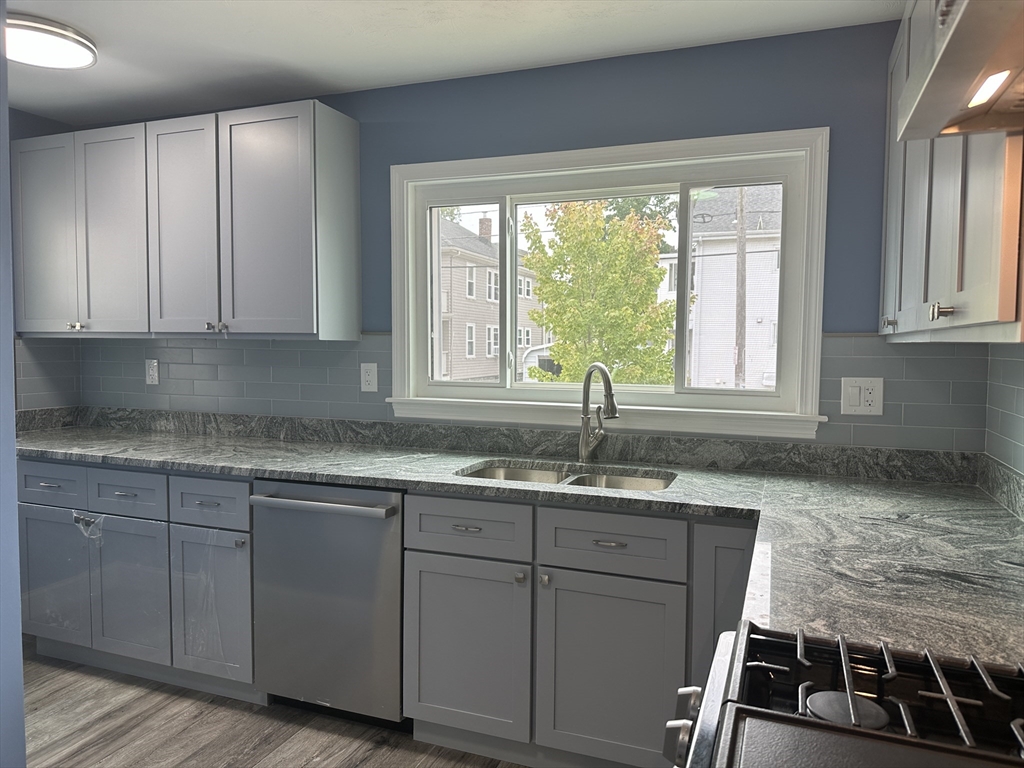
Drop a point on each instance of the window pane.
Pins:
(465, 290)
(596, 288)
(736, 235)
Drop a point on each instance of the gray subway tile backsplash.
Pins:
(936, 396)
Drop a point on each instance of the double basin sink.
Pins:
(627, 482)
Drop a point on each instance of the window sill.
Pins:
(632, 418)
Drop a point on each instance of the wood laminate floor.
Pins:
(83, 716)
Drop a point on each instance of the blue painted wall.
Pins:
(834, 78)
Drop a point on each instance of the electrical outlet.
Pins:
(368, 377)
(862, 397)
(152, 372)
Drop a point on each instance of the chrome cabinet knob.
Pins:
(211, 327)
(545, 579)
(520, 577)
(222, 327)
(936, 310)
(71, 326)
(888, 322)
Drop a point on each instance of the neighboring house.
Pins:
(712, 334)
(469, 305)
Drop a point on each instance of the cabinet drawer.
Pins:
(132, 494)
(466, 527)
(649, 547)
(59, 485)
(210, 503)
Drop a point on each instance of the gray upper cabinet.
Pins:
(184, 280)
(610, 656)
(110, 179)
(289, 221)
(952, 220)
(467, 644)
(211, 602)
(130, 587)
(43, 208)
(54, 574)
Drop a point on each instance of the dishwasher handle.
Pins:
(380, 512)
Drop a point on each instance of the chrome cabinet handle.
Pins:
(76, 327)
(211, 327)
(207, 503)
(468, 528)
(888, 322)
(222, 327)
(125, 493)
(936, 310)
(610, 544)
(71, 326)
(520, 577)
(239, 543)
(82, 519)
(49, 485)
(545, 579)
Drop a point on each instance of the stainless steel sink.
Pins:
(520, 474)
(623, 482)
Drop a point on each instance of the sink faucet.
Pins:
(589, 439)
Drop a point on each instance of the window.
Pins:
(493, 340)
(691, 268)
(470, 340)
(493, 288)
(470, 282)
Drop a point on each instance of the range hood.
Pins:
(956, 45)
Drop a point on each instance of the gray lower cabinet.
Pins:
(211, 601)
(721, 565)
(130, 585)
(54, 574)
(96, 580)
(467, 644)
(611, 652)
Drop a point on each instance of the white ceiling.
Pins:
(165, 57)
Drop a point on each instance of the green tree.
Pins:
(597, 282)
(664, 207)
(452, 214)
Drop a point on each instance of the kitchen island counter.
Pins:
(916, 564)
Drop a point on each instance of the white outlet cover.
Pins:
(368, 377)
(862, 397)
(152, 372)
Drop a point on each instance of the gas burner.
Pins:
(834, 706)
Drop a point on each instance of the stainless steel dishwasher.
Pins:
(327, 596)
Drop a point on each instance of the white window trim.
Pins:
(470, 327)
(560, 406)
(491, 340)
(493, 285)
(470, 281)
(528, 290)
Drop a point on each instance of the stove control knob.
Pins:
(688, 702)
(677, 741)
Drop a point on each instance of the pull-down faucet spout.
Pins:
(590, 438)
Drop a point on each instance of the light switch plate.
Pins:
(862, 397)
(152, 372)
(368, 377)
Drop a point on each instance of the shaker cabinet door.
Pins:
(43, 218)
(184, 290)
(110, 172)
(611, 654)
(54, 574)
(268, 276)
(211, 602)
(467, 644)
(130, 585)
(895, 165)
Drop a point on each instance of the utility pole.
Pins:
(741, 290)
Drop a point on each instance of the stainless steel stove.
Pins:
(783, 699)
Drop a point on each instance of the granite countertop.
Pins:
(916, 564)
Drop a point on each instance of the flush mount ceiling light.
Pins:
(43, 43)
